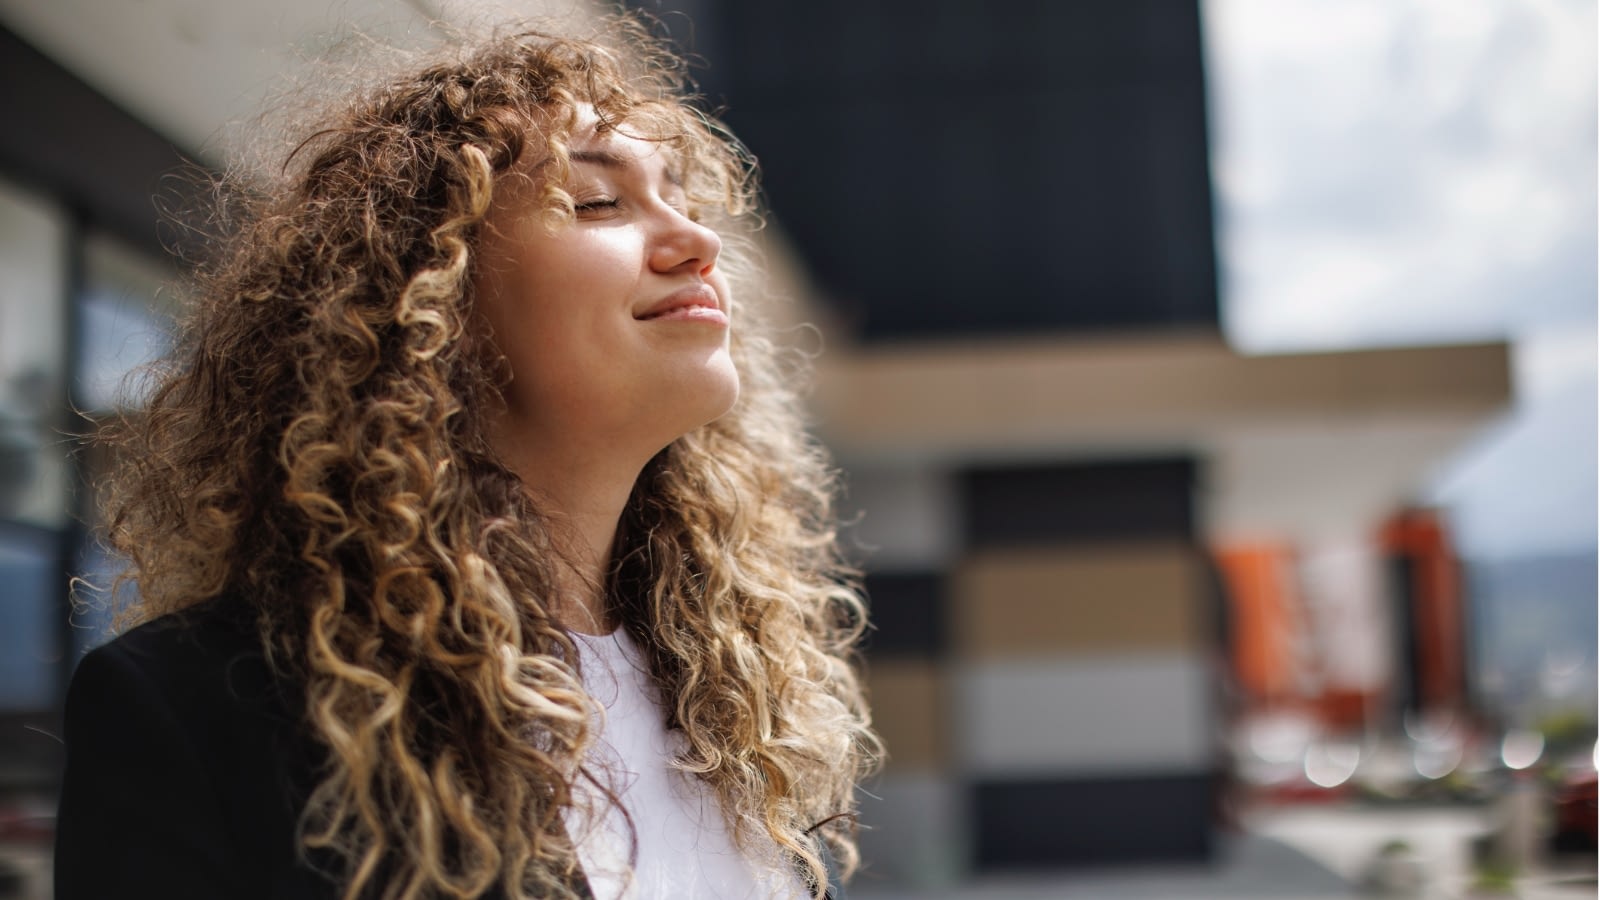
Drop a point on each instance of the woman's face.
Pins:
(616, 323)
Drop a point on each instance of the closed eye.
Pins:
(599, 204)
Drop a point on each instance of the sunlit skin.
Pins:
(615, 325)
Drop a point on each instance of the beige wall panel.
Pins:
(909, 710)
(1063, 391)
(1046, 603)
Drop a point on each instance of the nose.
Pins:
(684, 245)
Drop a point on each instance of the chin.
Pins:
(723, 395)
(700, 396)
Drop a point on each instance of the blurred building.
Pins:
(1006, 210)
(82, 270)
(1005, 213)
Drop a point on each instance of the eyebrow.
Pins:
(599, 157)
(608, 160)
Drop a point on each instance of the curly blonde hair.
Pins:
(318, 450)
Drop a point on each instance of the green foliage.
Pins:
(1495, 875)
(1568, 731)
(1395, 847)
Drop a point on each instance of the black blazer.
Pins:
(187, 766)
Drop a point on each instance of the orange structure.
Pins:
(1428, 593)
(1264, 619)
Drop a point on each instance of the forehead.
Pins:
(579, 145)
(619, 146)
(586, 133)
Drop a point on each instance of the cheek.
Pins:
(520, 296)
(719, 283)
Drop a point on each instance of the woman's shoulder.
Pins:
(217, 623)
(204, 670)
(193, 653)
(179, 731)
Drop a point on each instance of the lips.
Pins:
(697, 301)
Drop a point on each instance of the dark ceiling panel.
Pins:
(63, 137)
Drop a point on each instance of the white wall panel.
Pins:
(1079, 715)
(902, 518)
(913, 832)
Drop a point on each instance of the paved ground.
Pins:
(1306, 853)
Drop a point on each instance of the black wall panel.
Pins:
(1041, 824)
(908, 614)
(958, 168)
(1050, 505)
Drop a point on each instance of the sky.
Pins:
(1408, 172)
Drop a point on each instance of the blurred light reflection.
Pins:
(1521, 748)
(1280, 739)
(1330, 764)
(1436, 759)
(1430, 727)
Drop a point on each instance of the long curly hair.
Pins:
(317, 449)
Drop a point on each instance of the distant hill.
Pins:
(1533, 627)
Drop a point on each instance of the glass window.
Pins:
(93, 605)
(127, 314)
(33, 456)
(29, 605)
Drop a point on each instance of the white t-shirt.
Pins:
(684, 848)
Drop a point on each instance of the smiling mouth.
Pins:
(689, 313)
(696, 303)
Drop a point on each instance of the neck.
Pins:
(584, 495)
(584, 530)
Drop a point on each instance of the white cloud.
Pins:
(1402, 172)
(1393, 172)
(1528, 486)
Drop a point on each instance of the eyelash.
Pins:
(603, 204)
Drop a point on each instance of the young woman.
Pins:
(479, 547)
